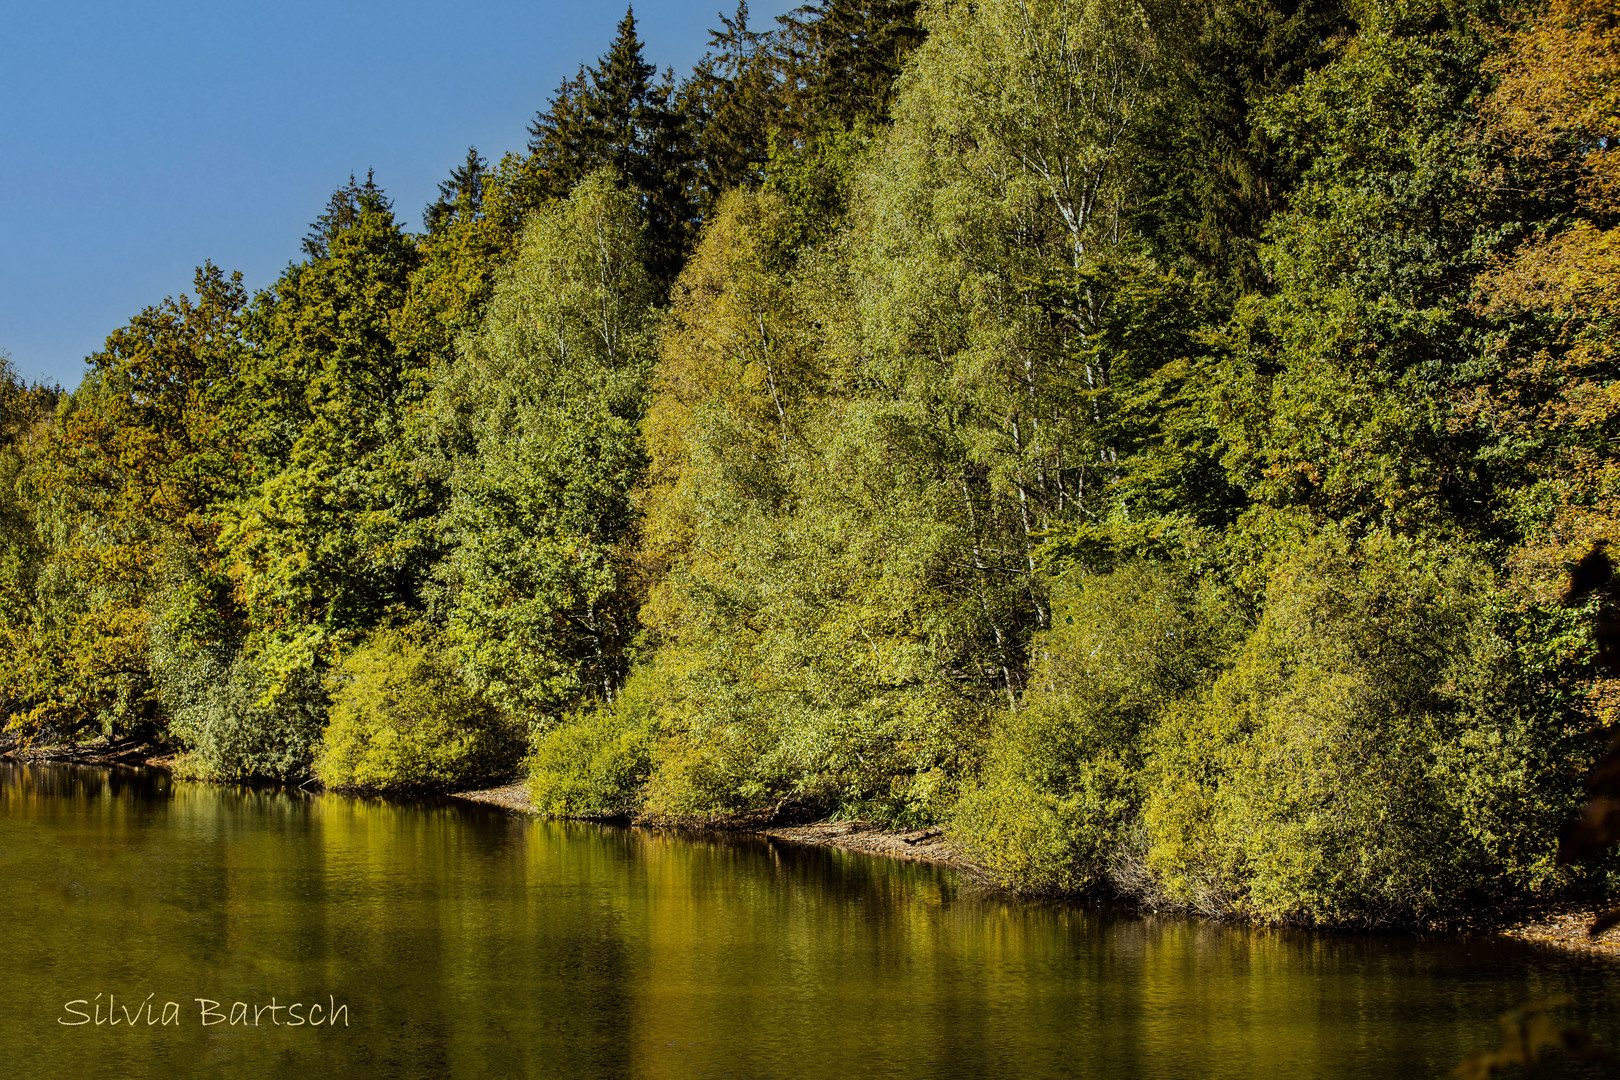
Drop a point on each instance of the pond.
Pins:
(452, 940)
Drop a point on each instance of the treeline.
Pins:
(1149, 437)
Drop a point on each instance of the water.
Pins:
(467, 942)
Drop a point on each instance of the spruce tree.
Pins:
(732, 103)
(462, 195)
(618, 113)
(839, 59)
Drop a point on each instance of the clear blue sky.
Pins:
(139, 139)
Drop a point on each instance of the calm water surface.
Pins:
(467, 942)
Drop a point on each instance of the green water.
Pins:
(467, 942)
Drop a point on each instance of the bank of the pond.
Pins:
(930, 845)
(1561, 926)
(1557, 925)
(101, 751)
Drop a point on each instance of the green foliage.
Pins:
(334, 534)
(126, 469)
(814, 178)
(801, 637)
(1338, 395)
(1057, 806)
(551, 391)
(403, 720)
(1209, 172)
(730, 101)
(839, 60)
(1146, 436)
(244, 726)
(461, 198)
(615, 116)
(25, 412)
(1370, 756)
(595, 763)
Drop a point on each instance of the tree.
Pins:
(124, 488)
(813, 648)
(333, 535)
(731, 103)
(1549, 396)
(839, 60)
(615, 114)
(542, 598)
(1338, 399)
(1209, 172)
(461, 197)
(25, 415)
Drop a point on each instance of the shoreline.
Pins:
(1557, 925)
(928, 844)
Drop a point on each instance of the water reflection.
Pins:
(469, 942)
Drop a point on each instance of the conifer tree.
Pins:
(732, 103)
(460, 196)
(840, 58)
(619, 114)
(1209, 176)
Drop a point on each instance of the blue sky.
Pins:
(139, 139)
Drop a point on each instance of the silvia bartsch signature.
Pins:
(150, 1013)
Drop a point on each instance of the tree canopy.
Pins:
(1149, 439)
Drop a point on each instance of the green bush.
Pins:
(235, 716)
(595, 762)
(731, 743)
(1380, 740)
(1061, 788)
(403, 720)
(245, 727)
(1361, 761)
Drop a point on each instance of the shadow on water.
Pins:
(468, 941)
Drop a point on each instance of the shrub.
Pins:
(403, 720)
(1364, 759)
(246, 727)
(1062, 785)
(822, 744)
(595, 762)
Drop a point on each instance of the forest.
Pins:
(1149, 437)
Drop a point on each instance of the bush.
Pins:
(1063, 783)
(402, 720)
(1362, 761)
(246, 727)
(595, 763)
(817, 743)
(1388, 739)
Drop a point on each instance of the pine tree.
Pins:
(840, 58)
(460, 196)
(618, 113)
(1209, 175)
(732, 103)
(560, 141)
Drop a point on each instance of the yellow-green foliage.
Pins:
(550, 390)
(402, 719)
(1358, 746)
(810, 563)
(1053, 809)
(243, 726)
(595, 762)
(1339, 770)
